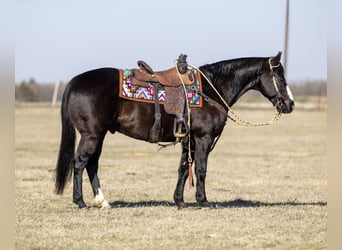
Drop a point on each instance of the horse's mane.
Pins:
(234, 70)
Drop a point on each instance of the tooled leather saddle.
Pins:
(172, 80)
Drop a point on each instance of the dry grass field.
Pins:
(268, 187)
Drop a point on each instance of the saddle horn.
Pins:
(182, 64)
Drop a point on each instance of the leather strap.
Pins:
(213, 103)
(156, 130)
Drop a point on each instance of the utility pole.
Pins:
(286, 34)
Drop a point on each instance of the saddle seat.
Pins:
(170, 77)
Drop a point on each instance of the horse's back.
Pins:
(97, 79)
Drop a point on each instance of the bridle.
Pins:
(278, 103)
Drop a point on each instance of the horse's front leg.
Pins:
(183, 173)
(201, 159)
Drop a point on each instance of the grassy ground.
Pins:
(268, 186)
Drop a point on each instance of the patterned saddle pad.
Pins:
(131, 91)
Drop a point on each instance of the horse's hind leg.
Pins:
(86, 149)
(92, 168)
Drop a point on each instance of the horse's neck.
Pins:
(240, 86)
(233, 82)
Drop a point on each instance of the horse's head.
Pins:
(273, 85)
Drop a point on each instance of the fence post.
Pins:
(55, 94)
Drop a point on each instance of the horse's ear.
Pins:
(276, 60)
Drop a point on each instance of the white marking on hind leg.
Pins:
(100, 200)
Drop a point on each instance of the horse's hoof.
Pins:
(80, 204)
(181, 205)
(104, 204)
(100, 200)
(204, 204)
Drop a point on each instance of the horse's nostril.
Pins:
(289, 105)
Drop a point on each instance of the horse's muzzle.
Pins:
(287, 107)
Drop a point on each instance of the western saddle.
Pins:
(172, 81)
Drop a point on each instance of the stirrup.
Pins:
(180, 127)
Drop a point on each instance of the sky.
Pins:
(58, 39)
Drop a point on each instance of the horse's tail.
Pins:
(65, 161)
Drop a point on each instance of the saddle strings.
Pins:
(231, 114)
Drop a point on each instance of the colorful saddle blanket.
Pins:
(131, 91)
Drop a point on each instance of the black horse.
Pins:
(92, 105)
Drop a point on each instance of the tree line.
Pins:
(31, 91)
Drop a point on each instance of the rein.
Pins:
(232, 115)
